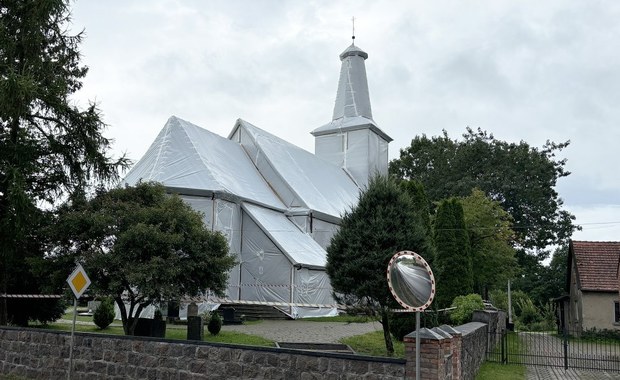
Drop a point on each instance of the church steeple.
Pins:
(352, 98)
(352, 139)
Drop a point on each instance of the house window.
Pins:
(617, 311)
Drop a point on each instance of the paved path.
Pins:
(555, 373)
(304, 331)
(548, 351)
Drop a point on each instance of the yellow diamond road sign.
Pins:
(78, 281)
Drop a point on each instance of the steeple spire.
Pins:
(352, 98)
(353, 33)
(352, 140)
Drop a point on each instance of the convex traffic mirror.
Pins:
(411, 280)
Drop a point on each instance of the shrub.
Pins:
(528, 312)
(601, 335)
(402, 324)
(215, 323)
(465, 306)
(104, 314)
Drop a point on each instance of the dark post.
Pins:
(195, 327)
(565, 348)
(504, 344)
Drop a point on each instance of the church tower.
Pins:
(352, 140)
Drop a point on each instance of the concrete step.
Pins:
(256, 312)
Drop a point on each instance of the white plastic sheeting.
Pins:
(361, 152)
(149, 311)
(352, 97)
(298, 176)
(227, 217)
(265, 270)
(320, 230)
(282, 264)
(352, 140)
(185, 156)
(298, 246)
(277, 204)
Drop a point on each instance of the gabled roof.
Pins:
(319, 185)
(596, 265)
(298, 246)
(189, 159)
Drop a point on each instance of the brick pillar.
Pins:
(435, 355)
(457, 342)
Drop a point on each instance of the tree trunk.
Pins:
(389, 346)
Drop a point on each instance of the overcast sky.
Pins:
(522, 70)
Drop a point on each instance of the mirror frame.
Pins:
(421, 260)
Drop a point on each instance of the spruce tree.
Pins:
(384, 222)
(49, 147)
(453, 262)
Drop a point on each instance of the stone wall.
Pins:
(473, 348)
(44, 354)
(454, 353)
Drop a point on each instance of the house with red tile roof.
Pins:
(592, 285)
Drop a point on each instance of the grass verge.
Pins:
(177, 332)
(373, 344)
(494, 371)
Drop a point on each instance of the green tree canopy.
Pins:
(545, 282)
(383, 223)
(491, 239)
(453, 262)
(49, 147)
(142, 246)
(520, 177)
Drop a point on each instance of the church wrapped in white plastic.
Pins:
(277, 204)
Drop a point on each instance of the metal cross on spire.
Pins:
(353, 34)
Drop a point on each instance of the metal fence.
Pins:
(568, 350)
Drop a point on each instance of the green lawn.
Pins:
(373, 344)
(172, 332)
(69, 316)
(493, 371)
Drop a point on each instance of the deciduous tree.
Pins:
(491, 239)
(520, 177)
(142, 246)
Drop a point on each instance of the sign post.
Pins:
(78, 282)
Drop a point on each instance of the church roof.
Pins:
(316, 184)
(298, 246)
(190, 159)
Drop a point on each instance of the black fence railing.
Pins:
(569, 350)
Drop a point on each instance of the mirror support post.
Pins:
(417, 345)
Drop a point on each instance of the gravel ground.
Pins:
(302, 331)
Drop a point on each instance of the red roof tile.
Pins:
(597, 264)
